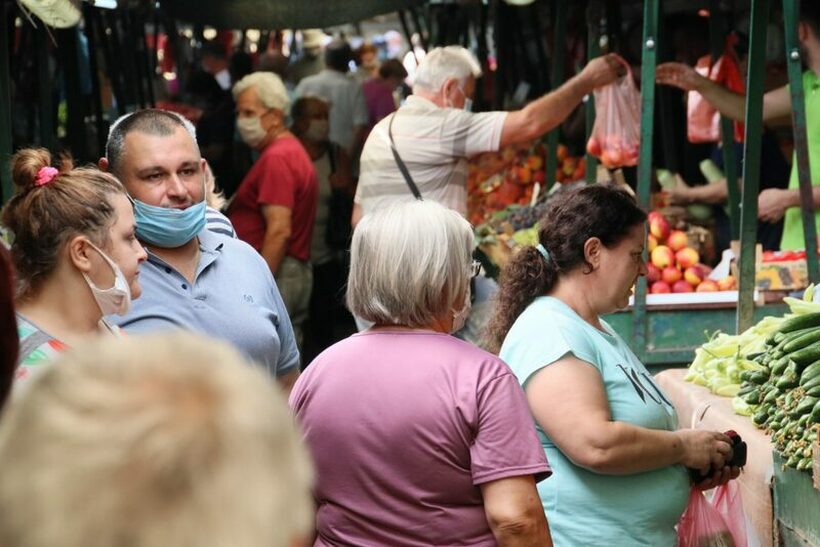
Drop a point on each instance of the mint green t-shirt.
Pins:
(582, 507)
(793, 222)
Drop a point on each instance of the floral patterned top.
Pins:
(37, 348)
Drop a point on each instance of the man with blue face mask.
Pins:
(194, 279)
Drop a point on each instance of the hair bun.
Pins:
(26, 165)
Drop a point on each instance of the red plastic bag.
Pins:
(703, 119)
(702, 525)
(616, 134)
(727, 501)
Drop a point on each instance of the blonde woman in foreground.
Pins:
(152, 441)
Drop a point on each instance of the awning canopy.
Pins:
(281, 14)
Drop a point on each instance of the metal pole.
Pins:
(717, 30)
(45, 90)
(648, 64)
(751, 163)
(5, 105)
(593, 50)
(559, 29)
(96, 97)
(791, 9)
(69, 48)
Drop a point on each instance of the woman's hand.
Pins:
(704, 450)
(721, 476)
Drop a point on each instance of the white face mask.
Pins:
(460, 316)
(116, 299)
(317, 131)
(251, 131)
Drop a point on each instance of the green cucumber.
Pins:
(815, 412)
(800, 322)
(787, 381)
(760, 417)
(780, 365)
(806, 356)
(760, 376)
(806, 404)
(753, 397)
(800, 342)
(813, 392)
(771, 395)
(811, 371)
(812, 383)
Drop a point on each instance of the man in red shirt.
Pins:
(275, 204)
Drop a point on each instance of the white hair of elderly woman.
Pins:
(269, 88)
(410, 264)
(152, 441)
(443, 63)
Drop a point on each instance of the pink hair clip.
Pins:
(45, 175)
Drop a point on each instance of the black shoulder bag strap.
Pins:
(402, 167)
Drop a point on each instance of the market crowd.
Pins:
(157, 390)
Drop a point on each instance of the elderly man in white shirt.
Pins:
(434, 131)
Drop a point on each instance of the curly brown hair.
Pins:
(592, 211)
(44, 217)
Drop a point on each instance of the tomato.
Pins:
(594, 147)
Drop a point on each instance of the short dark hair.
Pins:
(212, 48)
(338, 55)
(810, 14)
(392, 68)
(299, 109)
(152, 121)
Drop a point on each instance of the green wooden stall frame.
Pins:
(666, 336)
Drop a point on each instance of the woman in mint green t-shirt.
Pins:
(608, 430)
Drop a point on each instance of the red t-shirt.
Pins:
(283, 175)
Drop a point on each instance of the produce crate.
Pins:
(796, 507)
(668, 335)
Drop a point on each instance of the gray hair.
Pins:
(269, 88)
(443, 63)
(152, 121)
(409, 264)
(112, 446)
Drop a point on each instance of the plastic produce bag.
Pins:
(703, 119)
(702, 525)
(616, 134)
(727, 501)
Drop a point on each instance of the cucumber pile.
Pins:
(783, 395)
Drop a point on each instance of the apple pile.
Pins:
(674, 266)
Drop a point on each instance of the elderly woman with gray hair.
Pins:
(418, 438)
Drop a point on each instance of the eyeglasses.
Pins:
(475, 268)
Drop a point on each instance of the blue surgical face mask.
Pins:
(468, 105)
(166, 227)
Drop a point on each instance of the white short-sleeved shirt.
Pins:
(434, 143)
(348, 108)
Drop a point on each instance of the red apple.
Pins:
(662, 256)
(693, 275)
(707, 285)
(594, 147)
(728, 283)
(653, 273)
(677, 240)
(682, 286)
(660, 287)
(705, 269)
(653, 215)
(687, 257)
(659, 227)
(671, 275)
(651, 243)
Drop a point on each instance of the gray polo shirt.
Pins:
(233, 298)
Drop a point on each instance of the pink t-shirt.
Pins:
(403, 426)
